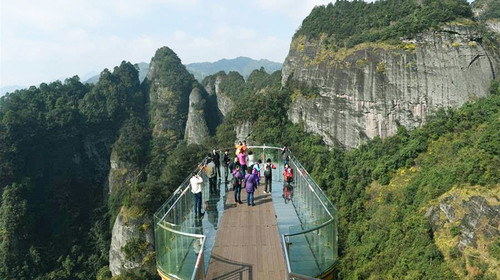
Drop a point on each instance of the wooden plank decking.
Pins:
(248, 243)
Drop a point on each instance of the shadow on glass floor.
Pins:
(232, 270)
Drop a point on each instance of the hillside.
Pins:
(143, 68)
(242, 65)
(420, 204)
(83, 166)
(402, 62)
(349, 23)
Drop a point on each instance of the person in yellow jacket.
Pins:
(238, 148)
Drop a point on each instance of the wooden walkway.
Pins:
(248, 245)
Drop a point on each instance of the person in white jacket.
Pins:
(250, 159)
(196, 182)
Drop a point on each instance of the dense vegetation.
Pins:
(56, 142)
(234, 86)
(387, 236)
(348, 23)
(490, 9)
(55, 157)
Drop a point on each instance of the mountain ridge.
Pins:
(242, 64)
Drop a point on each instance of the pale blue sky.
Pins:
(46, 40)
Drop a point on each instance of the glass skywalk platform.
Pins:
(307, 225)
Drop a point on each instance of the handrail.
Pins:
(181, 191)
(312, 190)
(310, 185)
(168, 211)
(311, 229)
(181, 232)
(297, 162)
(199, 258)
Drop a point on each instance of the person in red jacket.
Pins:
(288, 176)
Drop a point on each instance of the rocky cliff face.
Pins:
(196, 126)
(372, 89)
(494, 25)
(130, 247)
(169, 85)
(126, 230)
(466, 226)
(121, 174)
(244, 131)
(224, 103)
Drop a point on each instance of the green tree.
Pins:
(15, 229)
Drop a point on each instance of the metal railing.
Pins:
(179, 239)
(318, 222)
(180, 242)
(317, 228)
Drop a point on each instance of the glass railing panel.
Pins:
(177, 253)
(176, 219)
(178, 231)
(311, 245)
(321, 243)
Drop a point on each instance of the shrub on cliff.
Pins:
(349, 23)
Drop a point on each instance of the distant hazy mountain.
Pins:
(243, 65)
(5, 89)
(143, 71)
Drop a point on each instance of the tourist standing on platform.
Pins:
(242, 157)
(211, 174)
(238, 148)
(244, 146)
(268, 176)
(287, 176)
(250, 159)
(216, 158)
(236, 182)
(250, 187)
(285, 154)
(196, 182)
(256, 171)
(233, 164)
(225, 165)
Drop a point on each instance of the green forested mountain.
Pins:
(234, 86)
(384, 188)
(55, 146)
(142, 67)
(348, 23)
(55, 218)
(56, 142)
(242, 65)
(77, 157)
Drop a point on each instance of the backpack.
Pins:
(210, 171)
(235, 182)
(267, 172)
(289, 175)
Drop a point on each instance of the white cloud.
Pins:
(45, 40)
